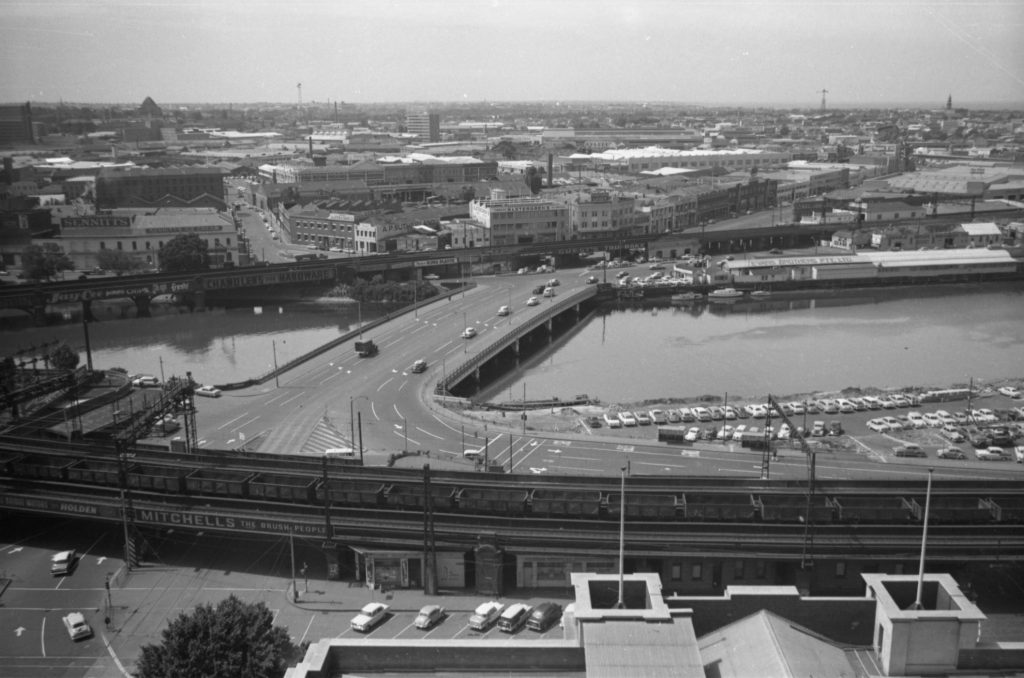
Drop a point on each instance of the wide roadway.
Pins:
(323, 402)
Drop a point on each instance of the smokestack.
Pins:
(550, 164)
(311, 146)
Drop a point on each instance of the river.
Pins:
(786, 345)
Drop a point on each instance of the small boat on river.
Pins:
(760, 294)
(686, 297)
(725, 293)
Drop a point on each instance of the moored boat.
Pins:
(725, 293)
(686, 297)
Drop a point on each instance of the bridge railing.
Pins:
(499, 344)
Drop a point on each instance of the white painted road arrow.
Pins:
(99, 561)
(18, 631)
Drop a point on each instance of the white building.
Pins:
(515, 221)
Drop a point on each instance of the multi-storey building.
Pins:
(600, 215)
(400, 173)
(165, 187)
(516, 221)
(636, 160)
(424, 124)
(142, 233)
(16, 125)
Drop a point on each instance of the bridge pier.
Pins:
(515, 349)
(142, 306)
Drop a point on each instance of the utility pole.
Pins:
(291, 542)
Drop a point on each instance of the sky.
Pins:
(706, 52)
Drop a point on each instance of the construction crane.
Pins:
(823, 93)
(806, 558)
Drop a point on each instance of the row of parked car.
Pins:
(509, 619)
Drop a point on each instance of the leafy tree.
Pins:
(184, 253)
(64, 357)
(230, 640)
(118, 261)
(45, 262)
(533, 180)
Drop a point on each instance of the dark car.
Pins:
(594, 422)
(539, 289)
(544, 616)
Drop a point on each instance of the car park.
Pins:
(419, 366)
(485, 615)
(76, 625)
(208, 391)
(514, 617)
(991, 454)
(544, 616)
(504, 310)
(63, 563)
(468, 333)
(950, 453)
(429, 616)
(370, 616)
(532, 301)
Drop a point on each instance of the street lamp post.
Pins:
(621, 604)
(352, 422)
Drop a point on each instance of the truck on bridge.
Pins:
(366, 349)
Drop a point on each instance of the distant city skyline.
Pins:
(769, 53)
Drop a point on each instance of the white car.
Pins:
(878, 426)
(532, 301)
(1018, 453)
(991, 454)
(737, 433)
(627, 418)
(693, 435)
(1011, 392)
(504, 310)
(784, 432)
(468, 333)
(145, 381)
(63, 563)
(894, 423)
(429, 616)
(916, 420)
(932, 419)
(368, 617)
(208, 391)
(798, 407)
(611, 421)
(485, 615)
(76, 625)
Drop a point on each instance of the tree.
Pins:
(184, 253)
(44, 262)
(232, 639)
(64, 357)
(533, 180)
(117, 261)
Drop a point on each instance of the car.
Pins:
(658, 417)
(775, 250)
(991, 454)
(549, 292)
(819, 430)
(877, 425)
(845, 406)
(554, 282)
(687, 415)
(504, 310)
(419, 366)
(532, 301)
(485, 615)
(952, 434)
(916, 420)
(63, 563)
(208, 391)
(622, 274)
(627, 418)
(76, 625)
(544, 616)
(612, 421)
(539, 289)
(724, 433)
(1018, 454)
(642, 418)
(431, 276)
(692, 435)
(828, 406)
(950, 453)
(702, 414)
(1011, 392)
(593, 422)
(737, 433)
(370, 616)
(798, 407)
(514, 617)
(909, 450)
(473, 452)
(894, 423)
(932, 419)
(429, 616)
(872, 402)
(887, 403)
(145, 381)
(784, 432)
(835, 428)
(468, 333)
(673, 416)
(985, 415)
(592, 280)
(730, 412)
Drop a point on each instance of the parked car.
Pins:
(642, 418)
(370, 616)
(932, 419)
(818, 429)
(429, 616)
(627, 418)
(468, 333)
(63, 563)
(693, 435)
(1018, 454)
(485, 615)
(952, 434)
(593, 422)
(991, 454)
(877, 425)
(76, 625)
(544, 616)
(894, 423)
(730, 412)
(687, 415)
(514, 617)
(658, 417)
(909, 450)
(549, 291)
(917, 420)
(702, 414)
(673, 416)
(1011, 391)
(612, 421)
(950, 453)
(208, 391)
(145, 381)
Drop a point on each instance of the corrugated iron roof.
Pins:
(638, 649)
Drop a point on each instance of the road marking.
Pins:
(297, 395)
(385, 383)
(432, 435)
(18, 631)
(17, 549)
(42, 638)
(536, 470)
(397, 412)
(306, 632)
(228, 423)
(117, 662)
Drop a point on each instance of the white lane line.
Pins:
(397, 412)
(110, 651)
(384, 383)
(432, 435)
(228, 423)
(328, 378)
(297, 395)
(42, 637)
(373, 410)
(444, 423)
(306, 632)
(238, 428)
(404, 437)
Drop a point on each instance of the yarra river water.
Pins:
(920, 336)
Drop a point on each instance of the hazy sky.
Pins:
(771, 52)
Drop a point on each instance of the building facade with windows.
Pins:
(519, 221)
(164, 187)
(602, 215)
(142, 233)
(424, 124)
